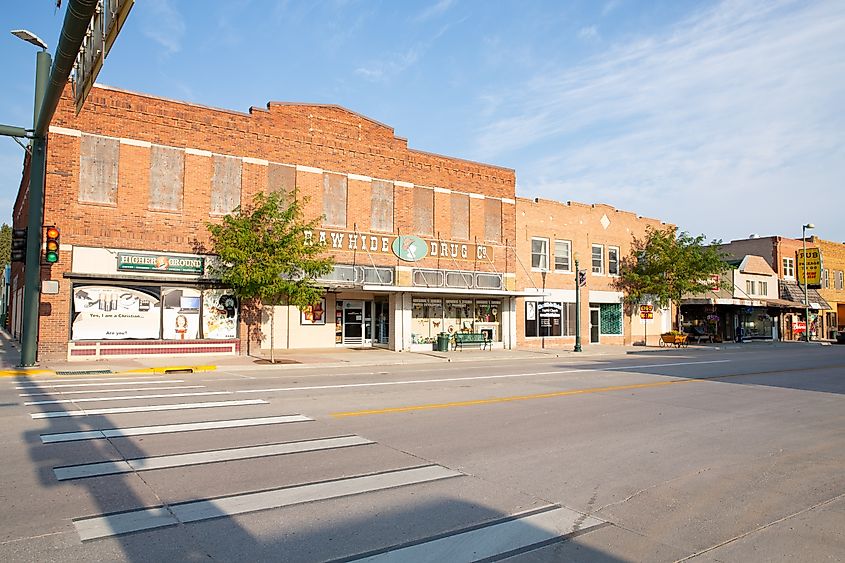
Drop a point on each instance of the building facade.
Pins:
(833, 286)
(781, 254)
(422, 243)
(551, 236)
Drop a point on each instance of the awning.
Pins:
(451, 291)
(793, 291)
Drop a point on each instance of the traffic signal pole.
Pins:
(32, 271)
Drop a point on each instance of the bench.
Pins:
(698, 334)
(471, 339)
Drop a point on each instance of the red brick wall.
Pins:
(325, 137)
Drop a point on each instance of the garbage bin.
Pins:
(443, 342)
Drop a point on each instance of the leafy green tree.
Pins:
(5, 244)
(265, 254)
(666, 264)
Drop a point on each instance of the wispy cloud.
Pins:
(735, 111)
(385, 69)
(434, 10)
(163, 24)
(588, 32)
(610, 6)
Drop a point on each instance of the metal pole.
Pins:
(806, 300)
(32, 272)
(577, 307)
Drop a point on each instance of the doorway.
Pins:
(357, 322)
(595, 325)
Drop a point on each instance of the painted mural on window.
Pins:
(115, 313)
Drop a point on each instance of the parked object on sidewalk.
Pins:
(840, 337)
(472, 339)
(698, 334)
(674, 338)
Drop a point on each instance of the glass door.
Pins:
(353, 322)
(595, 325)
(382, 323)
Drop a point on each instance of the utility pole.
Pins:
(577, 307)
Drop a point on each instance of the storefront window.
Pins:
(109, 312)
(459, 315)
(488, 318)
(427, 320)
(756, 323)
(550, 318)
(610, 318)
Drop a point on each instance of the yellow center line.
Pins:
(513, 398)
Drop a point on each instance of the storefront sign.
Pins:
(160, 263)
(813, 259)
(799, 326)
(409, 248)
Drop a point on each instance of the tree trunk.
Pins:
(272, 334)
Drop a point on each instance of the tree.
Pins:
(5, 244)
(665, 265)
(265, 254)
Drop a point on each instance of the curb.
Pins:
(164, 370)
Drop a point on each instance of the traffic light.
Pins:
(51, 254)
(18, 245)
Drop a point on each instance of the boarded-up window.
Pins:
(493, 220)
(282, 179)
(167, 168)
(460, 216)
(382, 206)
(226, 184)
(334, 200)
(98, 158)
(423, 211)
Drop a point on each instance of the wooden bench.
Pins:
(698, 334)
(471, 339)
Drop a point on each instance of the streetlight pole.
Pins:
(806, 300)
(35, 217)
(577, 306)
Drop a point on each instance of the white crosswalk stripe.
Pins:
(150, 408)
(89, 391)
(125, 398)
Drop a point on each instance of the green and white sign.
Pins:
(160, 263)
(410, 248)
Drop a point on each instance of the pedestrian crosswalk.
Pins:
(197, 457)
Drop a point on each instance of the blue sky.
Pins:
(726, 118)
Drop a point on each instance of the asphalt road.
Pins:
(696, 455)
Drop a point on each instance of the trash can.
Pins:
(443, 342)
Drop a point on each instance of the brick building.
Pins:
(833, 285)
(423, 243)
(781, 254)
(550, 236)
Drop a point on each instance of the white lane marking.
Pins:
(494, 540)
(126, 398)
(195, 511)
(53, 379)
(446, 379)
(150, 408)
(62, 386)
(88, 391)
(199, 458)
(170, 428)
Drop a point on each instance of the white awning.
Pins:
(451, 291)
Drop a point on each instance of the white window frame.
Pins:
(788, 268)
(544, 265)
(600, 271)
(616, 248)
(840, 280)
(568, 268)
(750, 287)
(763, 287)
(826, 278)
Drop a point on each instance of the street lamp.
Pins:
(806, 300)
(29, 37)
(32, 271)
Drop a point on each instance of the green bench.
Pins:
(472, 339)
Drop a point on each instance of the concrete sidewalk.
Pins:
(289, 359)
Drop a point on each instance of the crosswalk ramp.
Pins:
(220, 467)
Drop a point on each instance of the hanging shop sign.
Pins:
(127, 261)
(409, 248)
(813, 259)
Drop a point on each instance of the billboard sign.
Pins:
(812, 257)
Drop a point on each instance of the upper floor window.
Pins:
(764, 287)
(789, 267)
(750, 287)
(826, 279)
(598, 259)
(613, 260)
(539, 254)
(562, 256)
(840, 279)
